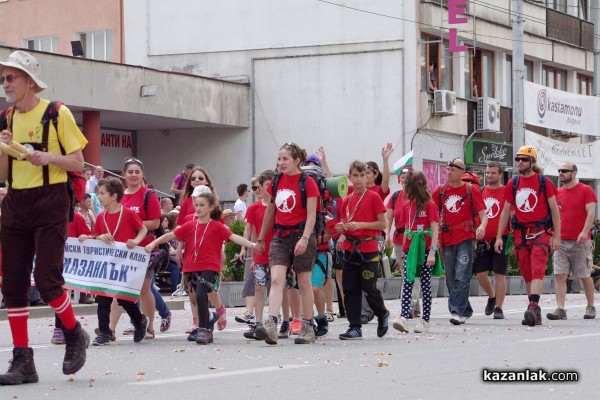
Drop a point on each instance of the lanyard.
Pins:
(197, 247)
(118, 223)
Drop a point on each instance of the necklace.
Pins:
(197, 247)
(118, 223)
(348, 215)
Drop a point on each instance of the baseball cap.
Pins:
(313, 159)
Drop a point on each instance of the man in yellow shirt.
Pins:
(35, 213)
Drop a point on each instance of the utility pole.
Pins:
(518, 73)
(595, 17)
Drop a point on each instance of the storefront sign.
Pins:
(485, 152)
(552, 153)
(556, 109)
(115, 147)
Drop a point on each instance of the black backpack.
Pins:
(547, 221)
(159, 259)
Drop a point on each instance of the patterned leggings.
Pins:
(425, 287)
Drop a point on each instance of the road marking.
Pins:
(561, 338)
(218, 375)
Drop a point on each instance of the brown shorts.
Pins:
(574, 257)
(282, 253)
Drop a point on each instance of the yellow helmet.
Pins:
(527, 151)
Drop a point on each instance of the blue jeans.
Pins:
(175, 276)
(458, 263)
(161, 306)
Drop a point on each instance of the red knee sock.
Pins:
(17, 318)
(63, 308)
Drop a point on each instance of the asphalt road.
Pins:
(446, 363)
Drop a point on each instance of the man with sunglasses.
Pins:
(577, 205)
(35, 213)
(458, 204)
(536, 224)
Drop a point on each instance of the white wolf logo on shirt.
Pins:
(454, 203)
(526, 200)
(285, 201)
(492, 207)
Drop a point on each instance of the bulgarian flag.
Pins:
(405, 162)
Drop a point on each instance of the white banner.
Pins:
(556, 109)
(552, 153)
(108, 270)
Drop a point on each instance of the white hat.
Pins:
(27, 63)
(198, 190)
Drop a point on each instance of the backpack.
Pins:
(443, 226)
(547, 221)
(159, 258)
(75, 182)
(395, 198)
(327, 204)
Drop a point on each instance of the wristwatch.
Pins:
(434, 248)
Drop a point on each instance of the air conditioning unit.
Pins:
(488, 114)
(444, 102)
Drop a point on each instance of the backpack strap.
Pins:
(395, 198)
(302, 187)
(50, 115)
(274, 183)
(4, 124)
(147, 200)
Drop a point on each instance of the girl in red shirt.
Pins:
(204, 239)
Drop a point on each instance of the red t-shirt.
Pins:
(135, 202)
(288, 200)
(530, 205)
(377, 189)
(187, 208)
(571, 203)
(494, 203)
(128, 228)
(366, 210)
(78, 227)
(427, 215)
(203, 245)
(456, 210)
(329, 225)
(398, 215)
(254, 216)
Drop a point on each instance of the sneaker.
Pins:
(267, 331)
(422, 327)
(295, 326)
(365, 319)
(140, 331)
(351, 334)
(401, 324)
(193, 335)
(77, 341)
(165, 323)
(58, 337)
(558, 313)
(245, 318)
(284, 331)
(129, 331)
(204, 336)
(382, 324)
(498, 313)
(250, 332)
(590, 312)
(456, 319)
(307, 334)
(101, 339)
(491, 306)
(322, 327)
(112, 337)
(21, 368)
(533, 314)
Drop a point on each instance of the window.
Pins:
(435, 55)
(509, 74)
(48, 44)
(584, 84)
(97, 45)
(558, 5)
(584, 9)
(554, 77)
(479, 74)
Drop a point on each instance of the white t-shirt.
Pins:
(240, 205)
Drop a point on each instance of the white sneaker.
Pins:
(401, 324)
(422, 327)
(456, 319)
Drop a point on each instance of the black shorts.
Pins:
(486, 258)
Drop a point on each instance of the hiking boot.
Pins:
(193, 335)
(58, 337)
(533, 314)
(112, 337)
(204, 336)
(295, 326)
(401, 324)
(307, 334)
(491, 306)
(322, 327)
(365, 319)
(383, 324)
(21, 368)
(77, 341)
(140, 330)
(351, 334)
(558, 313)
(267, 331)
(101, 339)
(284, 331)
(456, 319)
(85, 298)
(250, 332)
(590, 312)
(498, 313)
(422, 327)
(246, 318)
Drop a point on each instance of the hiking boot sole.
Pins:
(554, 317)
(399, 327)
(589, 317)
(20, 380)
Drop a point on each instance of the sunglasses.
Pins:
(134, 161)
(451, 164)
(523, 159)
(564, 171)
(294, 147)
(196, 178)
(255, 188)
(10, 78)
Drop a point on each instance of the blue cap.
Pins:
(313, 159)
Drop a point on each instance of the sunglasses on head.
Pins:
(196, 178)
(523, 159)
(134, 161)
(451, 164)
(10, 78)
(564, 171)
